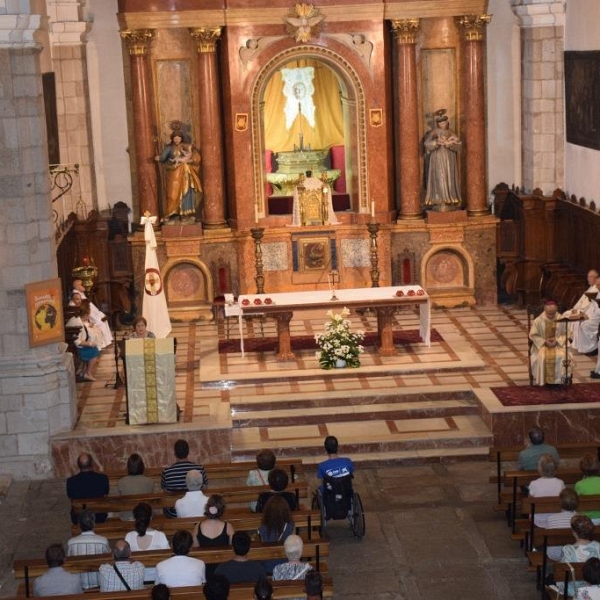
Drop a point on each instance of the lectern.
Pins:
(150, 367)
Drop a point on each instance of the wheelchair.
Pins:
(338, 500)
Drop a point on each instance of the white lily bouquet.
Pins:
(339, 347)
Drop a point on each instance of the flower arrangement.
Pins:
(338, 343)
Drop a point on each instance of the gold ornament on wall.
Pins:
(376, 117)
(241, 121)
(304, 22)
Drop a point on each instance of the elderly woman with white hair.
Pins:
(194, 501)
(294, 569)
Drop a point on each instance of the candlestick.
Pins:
(255, 214)
(257, 235)
(373, 229)
(372, 209)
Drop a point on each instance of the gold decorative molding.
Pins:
(473, 26)
(406, 30)
(206, 38)
(137, 40)
(304, 22)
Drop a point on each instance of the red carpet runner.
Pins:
(535, 395)
(307, 342)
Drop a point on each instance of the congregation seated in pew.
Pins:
(173, 477)
(56, 580)
(278, 480)
(277, 525)
(87, 543)
(181, 570)
(240, 569)
(530, 456)
(194, 501)
(569, 500)
(589, 485)
(545, 485)
(265, 463)
(123, 573)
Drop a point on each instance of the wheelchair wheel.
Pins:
(318, 504)
(357, 516)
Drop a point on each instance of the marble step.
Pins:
(336, 413)
(438, 434)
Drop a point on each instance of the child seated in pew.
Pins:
(265, 461)
(278, 480)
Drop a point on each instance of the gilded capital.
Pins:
(406, 30)
(206, 38)
(473, 26)
(137, 40)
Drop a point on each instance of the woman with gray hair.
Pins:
(546, 485)
(294, 569)
(194, 501)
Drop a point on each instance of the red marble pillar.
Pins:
(211, 128)
(409, 175)
(473, 84)
(137, 42)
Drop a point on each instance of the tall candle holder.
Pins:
(334, 277)
(373, 229)
(257, 235)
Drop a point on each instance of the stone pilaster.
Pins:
(542, 85)
(67, 31)
(211, 127)
(37, 385)
(409, 178)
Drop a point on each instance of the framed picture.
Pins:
(582, 90)
(45, 312)
(315, 254)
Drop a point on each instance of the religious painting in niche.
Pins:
(304, 125)
(45, 312)
(582, 91)
(315, 254)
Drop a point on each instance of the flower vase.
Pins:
(340, 363)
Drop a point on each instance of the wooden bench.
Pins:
(218, 471)
(235, 495)
(27, 569)
(238, 591)
(562, 572)
(306, 520)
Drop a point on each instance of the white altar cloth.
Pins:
(352, 298)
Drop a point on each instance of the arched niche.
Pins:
(353, 108)
(447, 267)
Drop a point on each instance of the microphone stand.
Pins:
(118, 382)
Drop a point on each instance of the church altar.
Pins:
(384, 300)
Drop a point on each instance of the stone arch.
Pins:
(189, 289)
(447, 267)
(355, 100)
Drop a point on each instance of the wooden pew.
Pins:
(218, 471)
(238, 591)
(562, 572)
(27, 569)
(235, 495)
(566, 451)
(306, 520)
(515, 480)
(551, 504)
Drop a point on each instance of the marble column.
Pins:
(211, 127)
(409, 172)
(473, 92)
(138, 42)
(542, 97)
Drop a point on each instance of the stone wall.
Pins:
(36, 384)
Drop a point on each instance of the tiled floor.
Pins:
(294, 404)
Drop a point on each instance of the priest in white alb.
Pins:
(549, 344)
(585, 331)
(584, 299)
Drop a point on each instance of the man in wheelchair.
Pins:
(336, 497)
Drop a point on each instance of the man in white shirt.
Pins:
(181, 570)
(194, 501)
(87, 543)
(585, 332)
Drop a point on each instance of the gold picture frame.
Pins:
(315, 254)
(44, 302)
